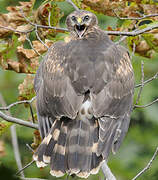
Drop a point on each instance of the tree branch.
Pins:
(107, 172)
(27, 38)
(142, 84)
(147, 105)
(16, 31)
(148, 165)
(41, 26)
(29, 147)
(16, 148)
(147, 81)
(117, 33)
(18, 102)
(21, 102)
(31, 178)
(18, 121)
(14, 139)
(74, 6)
(132, 33)
(135, 18)
(29, 164)
(38, 37)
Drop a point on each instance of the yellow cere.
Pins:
(79, 20)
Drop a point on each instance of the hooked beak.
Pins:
(80, 28)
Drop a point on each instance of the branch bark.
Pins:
(147, 105)
(16, 103)
(148, 165)
(107, 172)
(135, 18)
(147, 81)
(142, 84)
(18, 121)
(74, 6)
(32, 179)
(14, 139)
(16, 148)
(27, 165)
(117, 33)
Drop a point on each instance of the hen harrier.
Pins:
(84, 91)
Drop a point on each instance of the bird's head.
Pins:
(81, 22)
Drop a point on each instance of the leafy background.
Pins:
(19, 63)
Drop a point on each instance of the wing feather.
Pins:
(55, 95)
(112, 105)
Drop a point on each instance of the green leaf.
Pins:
(4, 125)
(3, 45)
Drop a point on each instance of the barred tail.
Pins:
(70, 147)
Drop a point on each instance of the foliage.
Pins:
(22, 52)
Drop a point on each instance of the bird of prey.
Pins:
(84, 91)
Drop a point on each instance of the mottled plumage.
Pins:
(84, 91)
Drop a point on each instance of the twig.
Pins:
(74, 6)
(121, 39)
(18, 102)
(32, 179)
(49, 18)
(147, 105)
(32, 46)
(21, 102)
(148, 165)
(51, 27)
(149, 80)
(29, 164)
(142, 84)
(135, 18)
(124, 37)
(18, 121)
(38, 37)
(31, 111)
(16, 31)
(14, 139)
(16, 148)
(117, 33)
(107, 172)
(29, 147)
(132, 33)
(41, 26)
(36, 27)
(133, 51)
(22, 12)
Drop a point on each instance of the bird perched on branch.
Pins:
(84, 91)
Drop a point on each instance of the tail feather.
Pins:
(57, 163)
(107, 133)
(76, 144)
(71, 147)
(44, 151)
(96, 160)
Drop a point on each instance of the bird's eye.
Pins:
(86, 18)
(73, 18)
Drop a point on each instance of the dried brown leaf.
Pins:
(13, 65)
(22, 38)
(39, 46)
(142, 47)
(25, 27)
(13, 18)
(26, 90)
(27, 53)
(36, 140)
